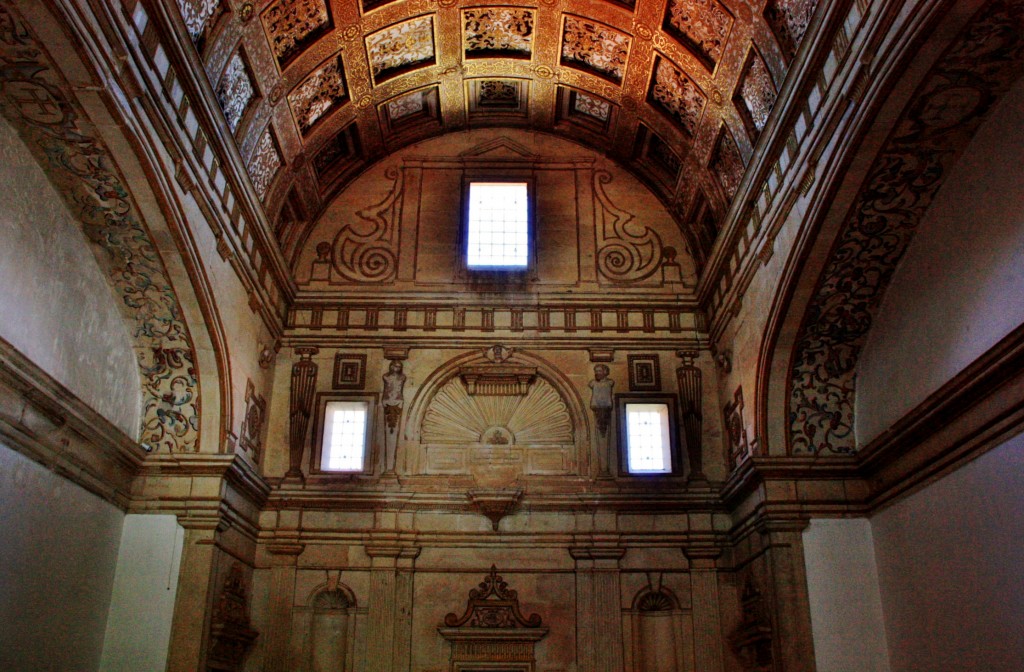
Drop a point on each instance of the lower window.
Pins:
(342, 439)
(647, 435)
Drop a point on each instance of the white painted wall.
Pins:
(142, 603)
(951, 569)
(56, 306)
(846, 608)
(58, 549)
(960, 287)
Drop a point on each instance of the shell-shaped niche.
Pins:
(540, 417)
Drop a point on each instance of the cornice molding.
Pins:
(46, 422)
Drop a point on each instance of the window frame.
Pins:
(317, 439)
(499, 273)
(675, 451)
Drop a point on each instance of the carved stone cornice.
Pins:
(47, 423)
(495, 504)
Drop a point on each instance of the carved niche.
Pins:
(230, 634)
(496, 417)
(493, 630)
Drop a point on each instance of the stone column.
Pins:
(389, 627)
(598, 609)
(793, 643)
(190, 624)
(708, 640)
(283, 559)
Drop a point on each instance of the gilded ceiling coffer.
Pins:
(690, 397)
(498, 380)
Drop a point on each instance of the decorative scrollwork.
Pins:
(367, 250)
(627, 250)
(492, 605)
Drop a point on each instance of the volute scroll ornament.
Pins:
(493, 605)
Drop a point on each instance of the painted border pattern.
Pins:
(935, 127)
(56, 130)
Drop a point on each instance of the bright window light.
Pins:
(647, 439)
(498, 225)
(344, 440)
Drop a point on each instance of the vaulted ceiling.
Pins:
(678, 91)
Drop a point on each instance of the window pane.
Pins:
(647, 438)
(498, 230)
(344, 440)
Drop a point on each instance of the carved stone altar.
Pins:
(493, 630)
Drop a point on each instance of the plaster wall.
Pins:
(960, 287)
(142, 603)
(57, 307)
(58, 556)
(846, 607)
(949, 560)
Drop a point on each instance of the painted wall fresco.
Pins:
(936, 125)
(58, 133)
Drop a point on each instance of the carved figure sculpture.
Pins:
(601, 404)
(393, 402)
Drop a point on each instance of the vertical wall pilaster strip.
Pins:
(707, 620)
(279, 610)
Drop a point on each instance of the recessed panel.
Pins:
(400, 48)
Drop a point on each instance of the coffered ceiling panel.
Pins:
(678, 91)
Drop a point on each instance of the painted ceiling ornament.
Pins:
(246, 12)
(318, 94)
(596, 47)
(235, 91)
(401, 46)
(677, 95)
(199, 16)
(264, 164)
(498, 29)
(901, 185)
(292, 25)
(702, 26)
(498, 354)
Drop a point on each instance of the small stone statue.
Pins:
(601, 404)
(393, 401)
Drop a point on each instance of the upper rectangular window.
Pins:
(498, 228)
(345, 436)
(648, 443)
